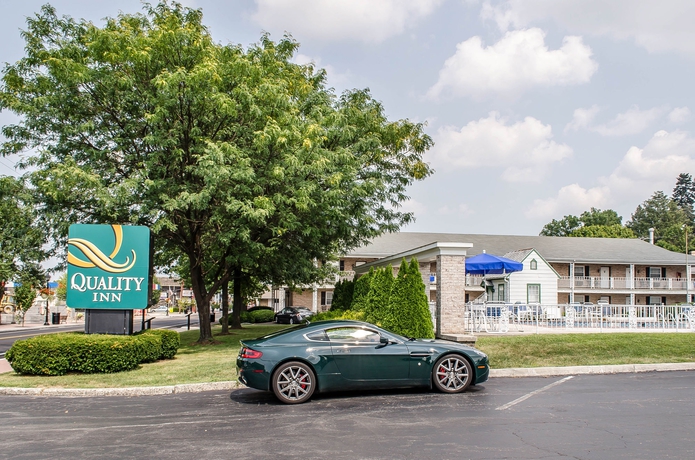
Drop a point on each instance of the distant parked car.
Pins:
(289, 315)
(305, 312)
(161, 308)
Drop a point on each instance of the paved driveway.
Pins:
(627, 416)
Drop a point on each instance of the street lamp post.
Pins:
(687, 266)
(48, 280)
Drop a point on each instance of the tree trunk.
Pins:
(225, 308)
(238, 301)
(203, 304)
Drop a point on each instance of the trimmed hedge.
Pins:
(58, 354)
(171, 341)
(256, 316)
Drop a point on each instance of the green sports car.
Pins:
(348, 355)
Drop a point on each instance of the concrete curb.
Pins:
(131, 391)
(232, 385)
(587, 370)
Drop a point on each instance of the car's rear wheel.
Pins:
(294, 382)
(452, 374)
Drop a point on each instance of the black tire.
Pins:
(452, 374)
(293, 383)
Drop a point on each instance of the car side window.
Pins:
(353, 334)
(318, 335)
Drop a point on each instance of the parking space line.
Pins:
(526, 396)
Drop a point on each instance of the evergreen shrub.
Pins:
(408, 311)
(361, 290)
(171, 341)
(58, 354)
(378, 296)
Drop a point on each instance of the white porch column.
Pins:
(315, 300)
(572, 282)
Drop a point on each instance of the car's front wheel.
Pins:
(294, 383)
(452, 374)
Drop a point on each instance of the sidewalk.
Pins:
(6, 327)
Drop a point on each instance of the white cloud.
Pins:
(525, 150)
(641, 172)
(632, 121)
(655, 26)
(363, 20)
(570, 199)
(583, 118)
(679, 115)
(520, 60)
(414, 206)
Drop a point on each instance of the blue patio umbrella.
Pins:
(488, 264)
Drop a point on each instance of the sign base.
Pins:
(119, 322)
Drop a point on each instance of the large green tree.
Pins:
(243, 163)
(21, 239)
(684, 194)
(665, 216)
(407, 312)
(603, 224)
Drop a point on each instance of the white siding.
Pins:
(543, 275)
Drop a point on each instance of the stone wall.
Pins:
(451, 294)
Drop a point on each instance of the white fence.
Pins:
(501, 318)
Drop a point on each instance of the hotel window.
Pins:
(533, 293)
(500, 293)
(581, 271)
(342, 266)
(656, 272)
(534, 264)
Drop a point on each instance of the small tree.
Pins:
(378, 296)
(408, 311)
(342, 295)
(24, 296)
(359, 297)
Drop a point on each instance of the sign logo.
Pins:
(108, 267)
(97, 258)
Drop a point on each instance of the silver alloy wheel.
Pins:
(452, 374)
(294, 383)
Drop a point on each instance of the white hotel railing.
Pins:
(499, 317)
(594, 282)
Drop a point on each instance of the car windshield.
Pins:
(283, 331)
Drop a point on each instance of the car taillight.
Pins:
(248, 353)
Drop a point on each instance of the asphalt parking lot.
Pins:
(646, 415)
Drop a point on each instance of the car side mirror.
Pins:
(383, 341)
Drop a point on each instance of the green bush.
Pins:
(58, 354)
(338, 314)
(170, 342)
(408, 312)
(379, 294)
(256, 316)
(360, 291)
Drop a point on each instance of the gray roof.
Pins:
(519, 255)
(551, 248)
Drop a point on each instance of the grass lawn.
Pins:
(587, 349)
(214, 363)
(192, 364)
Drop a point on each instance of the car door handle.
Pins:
(420, 354)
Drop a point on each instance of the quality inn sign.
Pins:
(109, 267)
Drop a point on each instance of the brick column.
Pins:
(451, 294)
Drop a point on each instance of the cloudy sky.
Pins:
(538, 108)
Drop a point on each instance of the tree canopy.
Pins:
(666, 217)
(21, 240)
(604, 224)
(241, 162)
